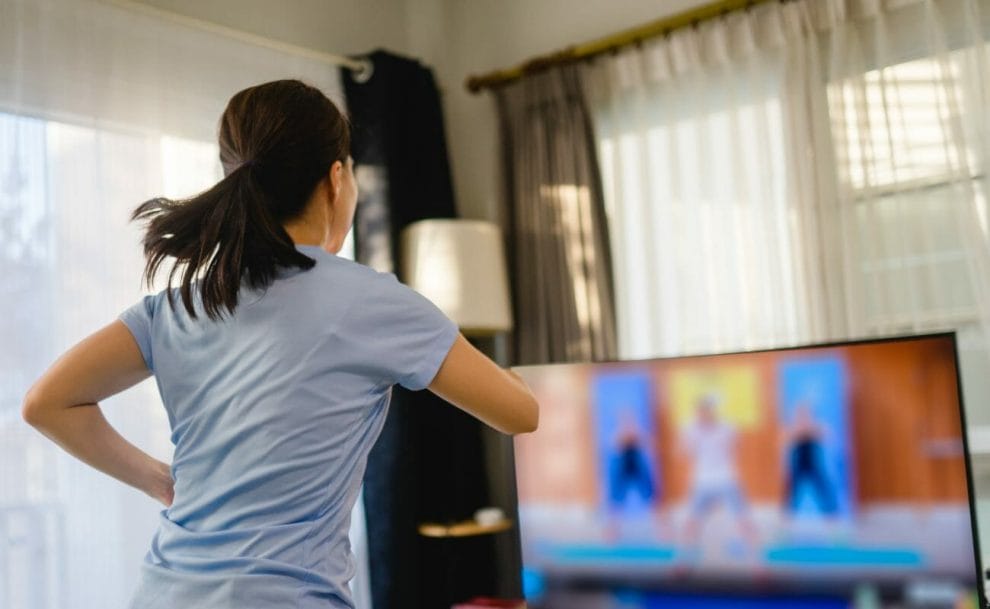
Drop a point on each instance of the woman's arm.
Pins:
(472, 382)
(62, 404)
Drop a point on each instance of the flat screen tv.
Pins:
(821, 476)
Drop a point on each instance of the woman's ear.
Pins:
(336, 178)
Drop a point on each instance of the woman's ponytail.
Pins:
(233, 233)
(225, 235)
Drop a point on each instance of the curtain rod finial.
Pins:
(362, 73)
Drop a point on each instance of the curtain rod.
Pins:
(362, 68)
(608, 44)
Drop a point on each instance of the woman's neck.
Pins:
(304, 235)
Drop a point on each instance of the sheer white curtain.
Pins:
(691, 146)
(101, 108)
(800, 172)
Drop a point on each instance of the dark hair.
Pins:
(277, 141)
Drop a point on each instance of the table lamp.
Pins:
(460, 266)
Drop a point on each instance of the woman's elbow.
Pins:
(534, 417)
(530, 418)
(31, 407)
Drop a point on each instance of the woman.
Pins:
(275, 361)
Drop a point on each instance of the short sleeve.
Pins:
(402, 335)
(138, 319)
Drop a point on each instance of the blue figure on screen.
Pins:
(806, 460)
(625, 431)
(629, 471)
(815, 429)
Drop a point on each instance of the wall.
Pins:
(332, 26)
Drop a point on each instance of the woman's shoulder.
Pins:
(337, 270)
(365, 290)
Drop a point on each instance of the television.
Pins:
(823, 476)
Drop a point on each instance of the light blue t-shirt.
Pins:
(273, 411)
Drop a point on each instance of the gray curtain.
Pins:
(555, 225)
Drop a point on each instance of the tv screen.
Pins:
(815, 476)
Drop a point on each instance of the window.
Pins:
(908, 163)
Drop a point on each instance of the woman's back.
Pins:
(273, 411)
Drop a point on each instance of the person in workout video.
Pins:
(629, 470)
(806, 462)
(711, 445)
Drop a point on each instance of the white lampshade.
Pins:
(460, 266)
